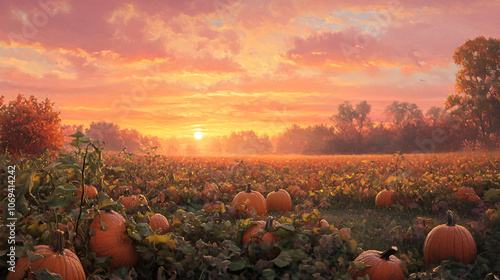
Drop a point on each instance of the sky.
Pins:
(171, 68)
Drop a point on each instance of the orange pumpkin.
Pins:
(110, 239)
(91, 191)
(21, 268)
(55, 258)
(260, 233)
(385, 198)
(279, 200)
(467, 193)
(133, 200)
(379, 265)
(160, 223)
(251, 199)
(448, 240)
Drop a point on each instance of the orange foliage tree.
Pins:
(29, 126)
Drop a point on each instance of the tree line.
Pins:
(470, 119)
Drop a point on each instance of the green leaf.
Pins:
(32, 257)
(492, 195)
(360, 265)
(283, 259)
(79, 134)
(64, 166)
(236, 265)
(44, 274)
(269, 273)
(67, 188)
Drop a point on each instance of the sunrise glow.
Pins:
(198, 135)
(161, 66)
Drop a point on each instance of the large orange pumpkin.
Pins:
(380, 265)
(467, 193)
(110, 239)
(251, 199)
(385, 198)
(55, 258)
(160, 223)
(279, 200)
(447, 240)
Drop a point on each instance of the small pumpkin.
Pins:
(110, 239)
(378, 265)
(260, 233)
(251, 199)
(447, 240)
(55, 259)
(279, 200)
(133, 200)
(91, 191)
(467, 193)
(385, 198)
(160, 223)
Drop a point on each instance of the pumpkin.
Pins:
(254, 234)
(447, 240)
(55, 259)
(279, 200)
(91, 191)
(110, 239)
(160, 223)
(467, 193)
(251, 199)
(379, 265)
(385, 198)
(22, 265)
(261, 233)
(133, 200)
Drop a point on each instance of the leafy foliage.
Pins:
(29, 127)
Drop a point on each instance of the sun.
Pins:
(198, 135)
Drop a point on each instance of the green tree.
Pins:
(403, 114)
(476, 102)
(29, 126)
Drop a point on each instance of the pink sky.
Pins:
(170, 68)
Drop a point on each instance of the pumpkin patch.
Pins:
(210, 218)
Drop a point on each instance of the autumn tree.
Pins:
(402, 114)
(29, 126)
(349, 119)
(477, 101)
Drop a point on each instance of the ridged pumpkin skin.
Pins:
(385, 198)
(20, 269)
(55, 258)
(112, 242)
(448, 240)
(279, 200)
(159, 222)
(382, 265)
(255, 200)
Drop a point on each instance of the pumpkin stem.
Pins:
(269, 224)
(389, 252)
(451, 218)
(58, 242)
(277, 189)
(248, 190)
